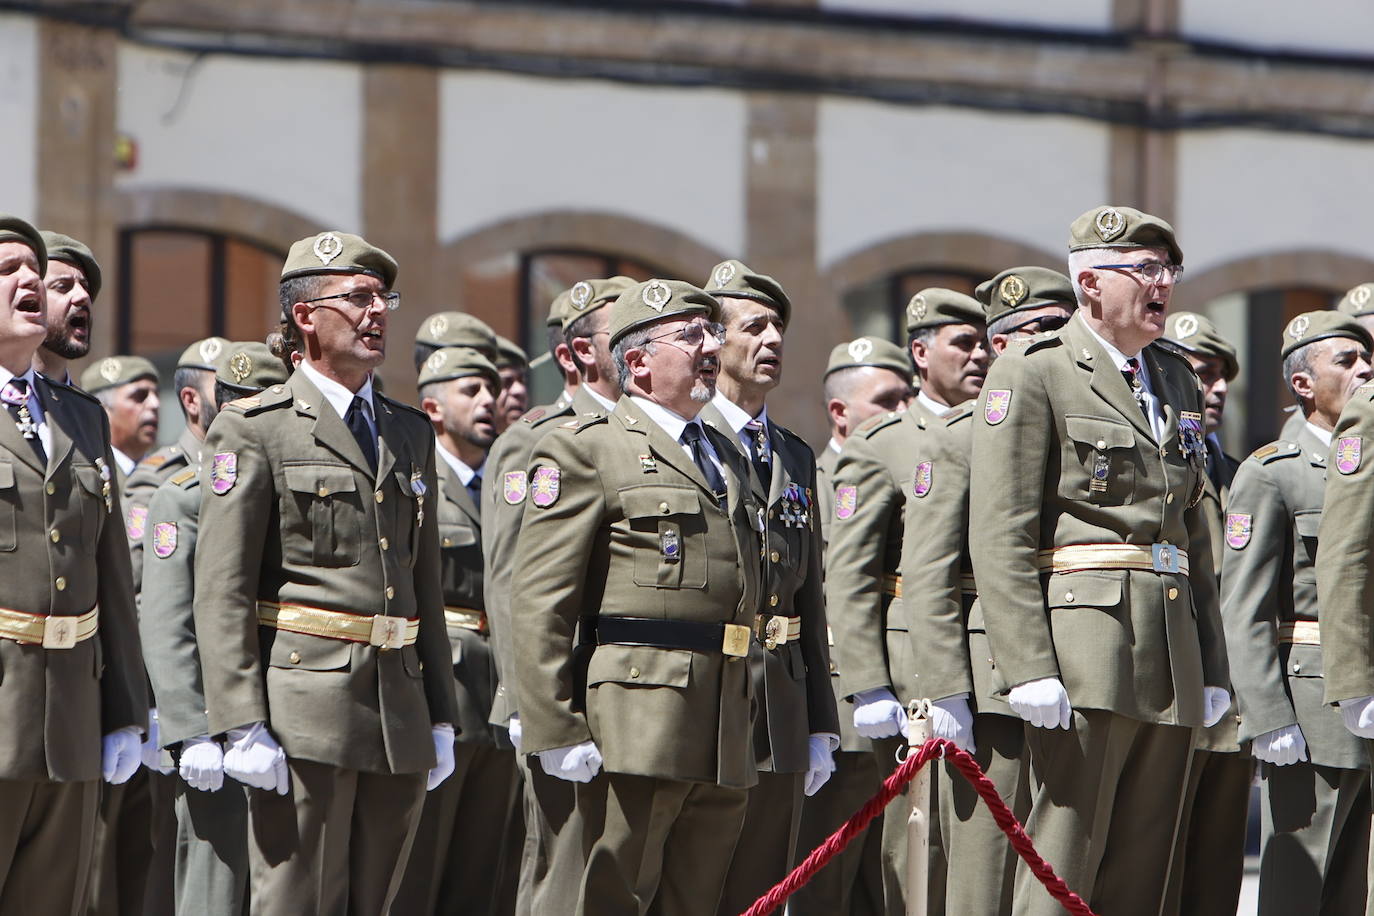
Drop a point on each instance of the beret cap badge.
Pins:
(1187, 326)
(724, 274)
(438, 325)
(1013, 290)
(210, 349)
(328, 247)
(1110, 223)
(656, 295)
(1298, 327)
(240, 366)
(918, 307)
(859, 349)
(581, 294)
(1360, 295)
(109, 369)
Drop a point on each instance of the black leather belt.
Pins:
(728, 638)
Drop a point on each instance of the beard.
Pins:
(703, 391)
(58, 342)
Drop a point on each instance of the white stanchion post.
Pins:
(918, 823)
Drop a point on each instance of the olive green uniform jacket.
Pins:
(305, 521)
(850, 739)
(147, 476)
(1223, 736)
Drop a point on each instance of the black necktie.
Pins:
(475, 491)
(16, 398)
(1132, 375)
(356, 418)
(695, 440)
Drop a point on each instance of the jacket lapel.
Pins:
(1107, 381)
(10, 438)
(712, 417)
(328, 429)
(657, 442)
(391, 442)
(455, 492)
(61, 449)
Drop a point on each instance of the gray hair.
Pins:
(638, 339)
(1081, 260)
(1300, 360)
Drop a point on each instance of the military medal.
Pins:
(1101, 467)
(670, 546)
(417, 487)
(648, 464)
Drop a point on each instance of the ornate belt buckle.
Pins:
(388, 632)
(774, 633)
(736, 640)
(1164, 558)
(59, 632)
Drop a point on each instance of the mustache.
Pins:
(708, 362)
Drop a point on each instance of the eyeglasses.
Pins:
(1040, 324)
(693, 335)
(1150, 271)
(362, 299)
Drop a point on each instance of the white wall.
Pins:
(1324, 26)
(886, 172)
(284, 132)
(1079, 15)
(19, 115)
(1247, 192)
(511, 146)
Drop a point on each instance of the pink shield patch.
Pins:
(920, 484)
(136, 522)
(1237, 530)
(1348, 454)
(164, 539)
(514, 487)
(846, 501)
(997, 406)
(224, 472)
(545, 486)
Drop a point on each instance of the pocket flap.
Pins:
(456, 536)
(1099, 433)
(85, 474)
(656, 501)
(1307, 522)
(640, 666)
(6, 475)
(309, 653)
(1303, 661)
(1084, 590)
(320, 479)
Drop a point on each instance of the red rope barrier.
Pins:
(892, 787)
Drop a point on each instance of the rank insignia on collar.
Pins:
(1347, 453)
(136, 522)
(648, 464)
(224, 472)
(921, 481)
(846, 501)
(545, 485)
(164, 539)
(1237, 530)
(997, 406)
(513, 487)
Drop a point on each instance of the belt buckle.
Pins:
(59, 632)
(774, 632)
(388, 632)
(1164, 558)
(735, 643)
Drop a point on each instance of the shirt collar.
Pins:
(933, 405)
(604, 402)
(1323, 435)
(126, 464)
(339, 397)
(672, 423)
(1118, 358)
(465, 473)
(833, 445)
(736, 415)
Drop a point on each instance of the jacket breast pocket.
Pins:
(1099, 461)
(89, 498)
(9, 506)
(407, 518)
(328, 510)
(1305, 523)
(461, 556)
(667, 534)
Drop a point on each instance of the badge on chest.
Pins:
(793, 508)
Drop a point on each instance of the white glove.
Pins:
(120, 754)
(1043, 703)
(202, 764)
(1281, 746)
(443, 751)
(151, 750)
(952, 719)
(1216, 700)
(513, 726)
(1358, 715)
(575, 763)
(821, 766)
(255, 759)
(877, 714)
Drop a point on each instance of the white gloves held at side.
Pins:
(952, 719)
(120, 754)
(1281, 747)
(877, 714)
(575, 763)
(821, 765)
(513, 726)
(151, 749)
(255, 759)
(1043, 703)
(1358, 715)
(202, 764)
(443, 753)
(1215, 702)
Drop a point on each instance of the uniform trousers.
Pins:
(853, 881)
(47, 834)
(1314, 840)
(212, 850)
(336, 843)
(767, 847)
(135, 847)
(894, 838)
(555, 845)
(1104, 811)
(1209, 857)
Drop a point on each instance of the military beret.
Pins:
(733, 278)
(1310, 327)
(113, 371)
(65, 248)
(457, 329)
(935, 306)
(338, 253)
(457, 362)
(508, 354)
(248, 366)
(1358, 301)
(203, 354)
(869, 351)
(14, 229)
(1019, 288)
(1122, 227)
(654, 300)
(1196, 334)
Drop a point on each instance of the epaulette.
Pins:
(268, 398)
(1040, 341)
(881, 421)
(1367, 389)
(1276, 450)
(155, 460)
(959, 413)
(1174, 350)
(577, 424)
(181, 478)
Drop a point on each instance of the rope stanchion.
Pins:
(892, 787)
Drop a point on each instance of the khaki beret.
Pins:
(457, 362)
(14, 229)
(113, 371)
(1358, 301)
(733, 278)
(509, 354)
(65, 248)
(655, 300)
(1196, 334)
(457, 329)
(338, 253)
(1310, 327)
(935, 306)
(1019, 288)
(1123, 227)
(869, 351)
(248, 366)
(203, 354)
(585, 297)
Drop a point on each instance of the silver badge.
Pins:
(858, 349)
(327, 247)
(109, 369)
(1110, 223)
(1298, 327)
(436, 360)
(656, 295)
(438, 325)
(724, 274)
(1186, 327)
(917, 308)
(581, 294)
(210, 349)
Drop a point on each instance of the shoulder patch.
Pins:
(881, 421)
(1347, 454)
(183, 477)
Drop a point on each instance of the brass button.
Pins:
(390, 592)
(634, 672)
(663, 508)
(386, 545)
(295, 657)
(322, 491)
(775, 556)
(1297, 668)
(1169, 498)
(51, 488)
(772, 600)
(1164, 541)
(448, 542)
(1068, 596)
(61, 583)
(1173, 594)
(1101, 443)
(991, 663)
(55, 536)
(379, 496)
(770, 513)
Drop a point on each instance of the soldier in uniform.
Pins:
(211, 830)
(863, 378)
(514, 397)
(74, 700)
(874, 633)
(467, 850)
(453, 329)
(796, 728)
(1024, 301)
(127, 388)
(1102, 639)
(1209, 855)
(331, 675)
(1358, 303)
(73, 282)
(639, 530)
(1315, 797)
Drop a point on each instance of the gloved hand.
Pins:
(151, 749)
(1043, 703)
(575, 763)
(822, 763)
(202, 764)
(1358, 715)
(1215, 702)
(951, 718)
(119, 754)
(877, 714)
(255, 759)
(443, 752)
(1281, 746)
(513, 726)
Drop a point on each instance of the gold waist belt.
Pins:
(466, 618)
(48, 630)
(1301, 633)
(892, 585)
(374, 629)
(1160, 558)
